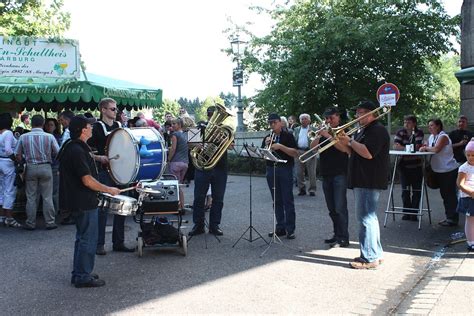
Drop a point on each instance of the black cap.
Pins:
(273, 117)
(368, 105)
(211, 109)
(77, 123)
(330, 111)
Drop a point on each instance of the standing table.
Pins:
(419, 212)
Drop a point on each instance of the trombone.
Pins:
(353, 127)
(319, 126)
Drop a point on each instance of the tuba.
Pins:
(217, 138)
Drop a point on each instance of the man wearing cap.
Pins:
(283, 146)
(39, 149)
(368, 176)
(101, 130)
(303, 141)
(216, 178)
(78, 193)
(333, 169)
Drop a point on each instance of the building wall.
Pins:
(467, 57)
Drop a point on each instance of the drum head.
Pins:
(122, 146)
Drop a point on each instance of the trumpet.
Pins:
(272, 139)
(353, 127)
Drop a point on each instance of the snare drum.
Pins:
(135, 154)
(118, 204)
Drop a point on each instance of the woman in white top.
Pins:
(7, 170)
(445, 168)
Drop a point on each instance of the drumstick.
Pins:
(127, 189)
(117, 156)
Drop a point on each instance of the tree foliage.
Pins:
(33, 18)
(325, 53)
(444, 92)
(170, 106)
(190, 105)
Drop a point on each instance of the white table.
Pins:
(420, 211)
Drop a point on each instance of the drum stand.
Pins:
(275, 239)
(250, 228)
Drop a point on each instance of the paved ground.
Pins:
(221, 279)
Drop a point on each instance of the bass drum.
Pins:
(136, 154)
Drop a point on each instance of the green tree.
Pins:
(33, 18)
(171, 106)
(201, 113)
(323, 53)
(445, 93)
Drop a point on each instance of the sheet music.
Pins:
(268, 155)
(193, 135)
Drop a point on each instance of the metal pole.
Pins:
(240, 111)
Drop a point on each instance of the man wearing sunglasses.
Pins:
(100, 131)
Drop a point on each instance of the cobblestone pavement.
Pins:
(419, 275)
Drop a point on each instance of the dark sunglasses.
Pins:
(112, 109)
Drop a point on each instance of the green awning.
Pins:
(465, 76)
(82, 94)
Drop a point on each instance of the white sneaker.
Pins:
(11, 222)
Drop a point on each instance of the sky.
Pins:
(173, 45)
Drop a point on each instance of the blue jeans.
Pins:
(284, 202)
(217, 179)
(369, 230)
(118, 232)
(85, 245)
(334, 188)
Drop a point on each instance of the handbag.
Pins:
(430, 178)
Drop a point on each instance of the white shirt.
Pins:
(303, 137)
(66, 135)
(442, 161)
(469, 171)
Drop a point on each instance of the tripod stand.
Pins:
(275, 239)
(252, 153)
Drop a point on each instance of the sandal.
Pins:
(11, 222)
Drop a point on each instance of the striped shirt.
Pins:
(37, 147)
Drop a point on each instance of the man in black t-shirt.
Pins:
(100, 132)
(216, 178)
(78, 193)
(368, 176)
(333, 168)
(460, 137)
(280, 177)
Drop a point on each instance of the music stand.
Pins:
(268, 155)
(251, 152)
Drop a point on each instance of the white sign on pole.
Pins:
(388, 99)
(39, 57)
